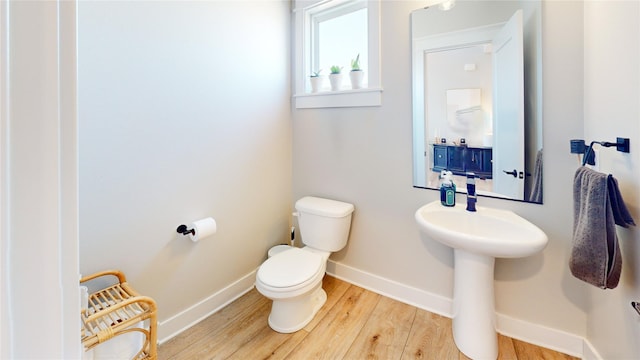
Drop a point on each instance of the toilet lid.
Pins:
(289, 268)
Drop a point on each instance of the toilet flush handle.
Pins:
(293, 229)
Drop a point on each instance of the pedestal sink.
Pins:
(477, 238)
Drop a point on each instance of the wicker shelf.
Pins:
(115, 310)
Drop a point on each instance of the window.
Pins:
(338, 36)
(332, 33)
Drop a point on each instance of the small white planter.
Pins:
(316, 83)
(356, 77)
(336, 81)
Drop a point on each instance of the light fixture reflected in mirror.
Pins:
(447, 5)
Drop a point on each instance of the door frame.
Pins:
(39, 214)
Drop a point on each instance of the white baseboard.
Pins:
(589, 353)
(532, 333)
(192, 315)
(540, 335)
(434, 303)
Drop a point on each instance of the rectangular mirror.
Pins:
(477, 97)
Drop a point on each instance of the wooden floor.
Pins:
(353, 324)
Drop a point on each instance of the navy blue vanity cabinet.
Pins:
(487, 163)
(456, 159)
(439, 157)
(462, 159)
(473, 160)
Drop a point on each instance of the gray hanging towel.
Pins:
(536, 188)
(595, 255)
(621, 214)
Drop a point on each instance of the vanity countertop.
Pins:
(461, 145)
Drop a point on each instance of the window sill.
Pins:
(337, 99)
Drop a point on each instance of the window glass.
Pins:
(341, 39)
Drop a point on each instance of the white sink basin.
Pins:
(492, 232)
(477, 238)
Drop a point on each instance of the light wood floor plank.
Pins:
(330, 339)
(430, 338)
(529, 351)
(211, 325)
(269, 344)
(506, 350)
(231, 337)
(385, 333)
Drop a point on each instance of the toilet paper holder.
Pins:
(198, 229)
(182, 229)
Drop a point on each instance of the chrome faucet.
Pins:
(471, 192)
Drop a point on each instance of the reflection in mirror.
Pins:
(477, 97)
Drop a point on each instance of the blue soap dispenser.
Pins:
(447, 189)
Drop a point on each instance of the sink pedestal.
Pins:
(474, 325)
(477, 238)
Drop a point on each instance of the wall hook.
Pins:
(636, 306)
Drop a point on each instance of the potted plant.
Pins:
(316, 81)
(335, 77)
(356, 75)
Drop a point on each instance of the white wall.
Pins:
(445, 71)
(363, 155)
(612, 109)
(184, 113)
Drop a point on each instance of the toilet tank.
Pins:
(324, 224)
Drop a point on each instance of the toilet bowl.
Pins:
(292, 277)
(293, 280)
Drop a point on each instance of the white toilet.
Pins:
(293, 278)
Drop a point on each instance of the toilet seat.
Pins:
(290, 270)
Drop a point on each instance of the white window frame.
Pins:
(370, 96)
